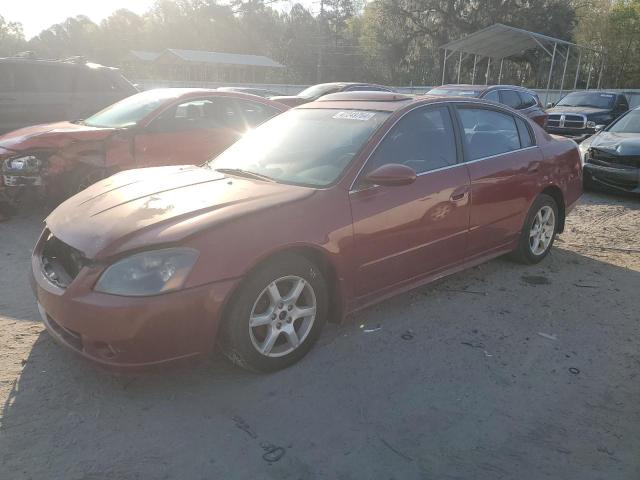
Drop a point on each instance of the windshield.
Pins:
(131, 110)
(302, 147)
(587, 99)
(453, 91)
(316, 91)
(630, 123)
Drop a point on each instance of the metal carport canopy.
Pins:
(502, 41)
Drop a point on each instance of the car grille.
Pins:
(607, 159)
(61, 263)
(567, 120)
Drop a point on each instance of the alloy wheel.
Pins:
(542, 230)
(282, 316)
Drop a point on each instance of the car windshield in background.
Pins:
(586, 99)
(453, 91)
(131, 110)
(316, 91)
(630, 123)
(302, 147)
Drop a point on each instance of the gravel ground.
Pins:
(499, 372)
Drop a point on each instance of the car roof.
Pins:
(69, 63)
(484, 88)
(384, 101)
(186, 93)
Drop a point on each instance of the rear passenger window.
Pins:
(423, 140)
(528, 100)
(511, 99)
(488, 132)
(525, 133)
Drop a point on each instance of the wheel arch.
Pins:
(321, 259)
(556, 193)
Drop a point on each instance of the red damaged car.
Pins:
(149, 129)
(319, 212)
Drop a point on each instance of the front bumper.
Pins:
(129, 332)
(577, 136)
(620, 179)
(32, 180)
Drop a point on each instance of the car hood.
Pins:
(50, 135)
(579, 110)
(138, 208)
(626, 144)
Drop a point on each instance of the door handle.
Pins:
(459, 194)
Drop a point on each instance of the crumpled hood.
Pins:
(137, 208)
(588, 111)
(50, 135)
(624, 144)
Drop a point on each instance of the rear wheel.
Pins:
(539, 231)
(276, 316)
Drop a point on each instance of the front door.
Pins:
(404, 233)
(189, 133)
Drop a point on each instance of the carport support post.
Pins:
(575, 83)
(444, 65)
(500, 74)
(486, 76)
(553, 59)
(473, 76)
(601, 69)
(459, 65)
(589, 75)
(564, 72)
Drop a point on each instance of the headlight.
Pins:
(26, 163)
(584, 152)
(148, 273)
(591, 124)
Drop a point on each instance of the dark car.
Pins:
(169, 126)
(611, 157)
(261, 92)
(34, 91)
(579, 113)
(319, 212)
(519, 98)
(316, 91)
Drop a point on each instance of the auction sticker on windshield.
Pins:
(362, 116)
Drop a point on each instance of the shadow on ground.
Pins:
(452, 381)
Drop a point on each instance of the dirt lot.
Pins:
(500, 372)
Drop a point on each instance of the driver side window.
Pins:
(423, 140)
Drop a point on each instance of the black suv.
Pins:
(34, 91)
(578, 113)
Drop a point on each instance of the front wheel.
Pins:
(539, 231)
(276, 316)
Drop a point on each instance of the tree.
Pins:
(11, 37)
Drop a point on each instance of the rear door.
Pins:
(11, 99)
(503, 164)
(405, 233)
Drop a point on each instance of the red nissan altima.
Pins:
(321, 211)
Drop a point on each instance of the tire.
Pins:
(268, 345)
(527, 251)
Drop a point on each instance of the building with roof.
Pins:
(198, 65)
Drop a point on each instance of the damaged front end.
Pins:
(24, 169)
(609, 168)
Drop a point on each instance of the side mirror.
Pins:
(551, 105)
(599, 128)
(392, 175)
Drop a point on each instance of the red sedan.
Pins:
(322, 211)
(149, 129)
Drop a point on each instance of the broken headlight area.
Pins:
(22, 164)
(23, 170)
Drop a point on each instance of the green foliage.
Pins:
(387, 41)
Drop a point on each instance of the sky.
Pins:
(37, 15)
